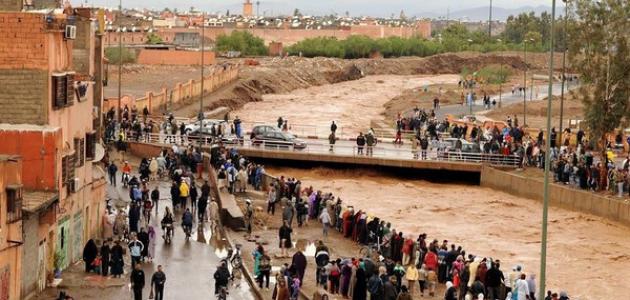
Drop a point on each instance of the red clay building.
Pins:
(51, 98)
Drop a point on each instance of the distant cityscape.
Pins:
(182, 28)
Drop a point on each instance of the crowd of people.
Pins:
(400, 265)
(397, 266)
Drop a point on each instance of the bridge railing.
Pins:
(381, 151)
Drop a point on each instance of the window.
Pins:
(90, 145)
(79, 151)
(62, 90)
(14, 204)
(67, 169)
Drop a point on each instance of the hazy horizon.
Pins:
(379, 8)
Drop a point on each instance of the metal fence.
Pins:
(380, 151)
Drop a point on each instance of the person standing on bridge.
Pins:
(280, 122)
(237, 127)
(333, 127)
(331, 140)
(360, 143)
(370, 140)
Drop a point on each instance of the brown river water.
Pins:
(352, 104)
(588, 256)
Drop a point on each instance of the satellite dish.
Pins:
(99, 152)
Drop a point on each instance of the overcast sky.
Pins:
(355, 7)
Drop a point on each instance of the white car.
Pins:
(207, 124)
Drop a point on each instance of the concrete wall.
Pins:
(559, 195)
(39, 148)
(174, 57)
(10, 252)
(361, 160)
(11, 5)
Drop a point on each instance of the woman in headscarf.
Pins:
(346, 272)
(152, 237)
(451, 292)
(153, 168)
(312, 211)
(348, 221)
(89, 254)
(117, 259)
(360, 287)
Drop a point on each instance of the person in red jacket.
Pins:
(407, 248)
(431, 261)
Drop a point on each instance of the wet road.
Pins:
(189, 265)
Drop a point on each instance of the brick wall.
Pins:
(23, 96)
(173, 57)
(22, 41)
(286, 36)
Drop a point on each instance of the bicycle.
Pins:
(223, 293)
(371, 248)
(236, 260)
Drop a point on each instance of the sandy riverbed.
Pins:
(587, 255)
(352, 104)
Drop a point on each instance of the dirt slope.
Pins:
(282, 75)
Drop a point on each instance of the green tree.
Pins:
(153, 39)
(113, 55)
(242, 41)
(599, 50)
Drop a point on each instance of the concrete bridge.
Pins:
(346, 153)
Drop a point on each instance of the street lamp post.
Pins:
(564, 58)
(543, 246)
(119, 61)
(525, 83)
(490, 21)
(525, 41)
(472, 98)
(202, 43)
(500, 78)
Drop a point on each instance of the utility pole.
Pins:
(448, 12)
(564, 59)
(543, 246)
(490, 21)
(525, 83)
(501, 77)
(202, 43)
(119, 60)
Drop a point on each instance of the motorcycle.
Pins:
(125, 179)
(168, 235)
(187, 231)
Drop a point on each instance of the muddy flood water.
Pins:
(352, 104)
(588, 256)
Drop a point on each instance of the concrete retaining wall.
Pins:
(559, 196)
(231, 215)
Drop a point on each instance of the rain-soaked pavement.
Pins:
(189, 265)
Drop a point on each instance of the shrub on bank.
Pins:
(113, 55)
(242, 41)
